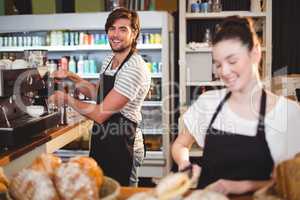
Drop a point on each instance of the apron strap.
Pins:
(262, 112)
(219, 108)
(100, 97)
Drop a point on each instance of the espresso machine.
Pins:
(20, 88)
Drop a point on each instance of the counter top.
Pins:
(46, 142)
(126, 192)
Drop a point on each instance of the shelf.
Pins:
(156, 75)
(199, 50)
(154, 155)
(208, 49)
(223, 14)
(206, 83)
(152, 103)
(152, 131)
(75, 48)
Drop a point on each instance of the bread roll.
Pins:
(3, 188)
(3, 178)
(29, 184)
(173, 185)
(47, 163)
(205, 195)
(288, 179)
(74, 183)
(91, 167)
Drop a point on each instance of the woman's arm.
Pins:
(237, 187)
(181, 147)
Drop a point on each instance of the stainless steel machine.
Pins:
(20, 88)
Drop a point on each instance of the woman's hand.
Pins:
(230, 187)
(58, 98)
(196, 170)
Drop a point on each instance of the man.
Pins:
(124, 83)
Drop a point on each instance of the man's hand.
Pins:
(59, 98)
(60, 74)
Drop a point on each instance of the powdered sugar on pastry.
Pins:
(33, 185)
(73, 183)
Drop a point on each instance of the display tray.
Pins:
(109, 191)
(267, 193)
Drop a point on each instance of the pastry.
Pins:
(90, 166)
(29, 184)
(205, 195)
(288, 179)
(173, 185)
(47, 163)
(3, 187)
(74, 183)
(3, 178)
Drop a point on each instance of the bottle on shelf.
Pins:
(93, 66)
(217, 6)
(66, 38)
(80, 65)
(210, 5)
(207, 37)
(86, 66)
(72, 65)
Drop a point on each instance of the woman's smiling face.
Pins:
(234, 64)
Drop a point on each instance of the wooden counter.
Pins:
(49, 141)
(129, 191)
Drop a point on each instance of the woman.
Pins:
(243, 129)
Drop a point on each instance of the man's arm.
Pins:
(83, 86)
(111, 104)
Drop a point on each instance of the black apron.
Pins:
(233, 156)
(112, 141)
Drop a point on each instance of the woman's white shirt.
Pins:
(282, 123)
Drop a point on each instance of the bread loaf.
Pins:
(29, 184)
(74, 183)
(90, 166)
(47, 163)
(288, 179)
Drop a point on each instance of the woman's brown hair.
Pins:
(235, 27)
